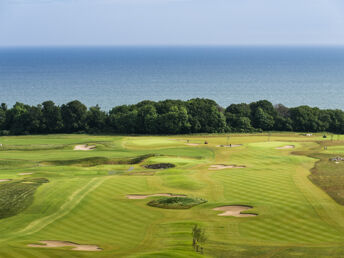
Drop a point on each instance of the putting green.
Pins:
(89, 205)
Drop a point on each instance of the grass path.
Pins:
(67, 207)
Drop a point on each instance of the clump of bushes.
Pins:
(176, 202)
(160, 166)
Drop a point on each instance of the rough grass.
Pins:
(327, 174)
(17, 196)
(176, 202)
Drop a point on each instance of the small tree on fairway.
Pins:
(198, 238)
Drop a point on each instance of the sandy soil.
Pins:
(230, 146)
(140, 196)
(5, 180)
(234, 210)
(25, 174)
(286, 147)
(84, 147)
(76, 247)
(221, 166)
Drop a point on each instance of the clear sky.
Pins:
(171, 22)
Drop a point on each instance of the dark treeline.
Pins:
(166, 117)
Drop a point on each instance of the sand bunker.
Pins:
(230, 146)
(140, 196)
(5, 180)
(286, 147)
(192, 144)
(76, 247)
(222, 166)
(84, 147)
(25, 174)
(235, 211)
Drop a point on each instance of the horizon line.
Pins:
(171, 45)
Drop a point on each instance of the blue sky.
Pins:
(171, 22)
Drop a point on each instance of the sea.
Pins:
(111, 76)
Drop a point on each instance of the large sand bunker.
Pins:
(286, 147)
(222, 166)
(76, 247)
(235, 211)
(84, 147)
(5, 180)
(140, 196)
(230, 146)
(192, 144)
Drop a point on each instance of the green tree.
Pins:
(95, 120)
(265, 105)
(263, 120)
(147, 119)
(124, 119)
(3, 110)
(240, 110)
(174, 121)
(51, 117)
(205, 117)
(238, 117)
(305, 119)
(74, 116)
(18, 118)
(243, 124)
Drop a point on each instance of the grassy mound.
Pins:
(176, 202)
(160, 166)
(16, 196)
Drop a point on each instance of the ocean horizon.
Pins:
(111, 76)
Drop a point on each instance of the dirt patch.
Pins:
(160, 166)
(286, 147)
(75, 246)
(230, 146)
(235, 211)
(222, 166)
(140, 196)
(84, 147)
(5, 180)
(192, 144)
(25, 174)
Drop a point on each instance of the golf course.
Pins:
(253, 195)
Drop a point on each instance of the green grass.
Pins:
(295, 192)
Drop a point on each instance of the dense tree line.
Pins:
(167, 117)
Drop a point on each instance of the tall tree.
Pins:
(74, 116)
(174, 121)
(96, 120)
(52, 118)
(263, 120)
(205, 116)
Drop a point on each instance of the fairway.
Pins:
(88, 196)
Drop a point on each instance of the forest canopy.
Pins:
(167, 117)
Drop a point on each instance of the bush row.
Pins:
(166, 117)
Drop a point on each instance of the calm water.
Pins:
(113, 76)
